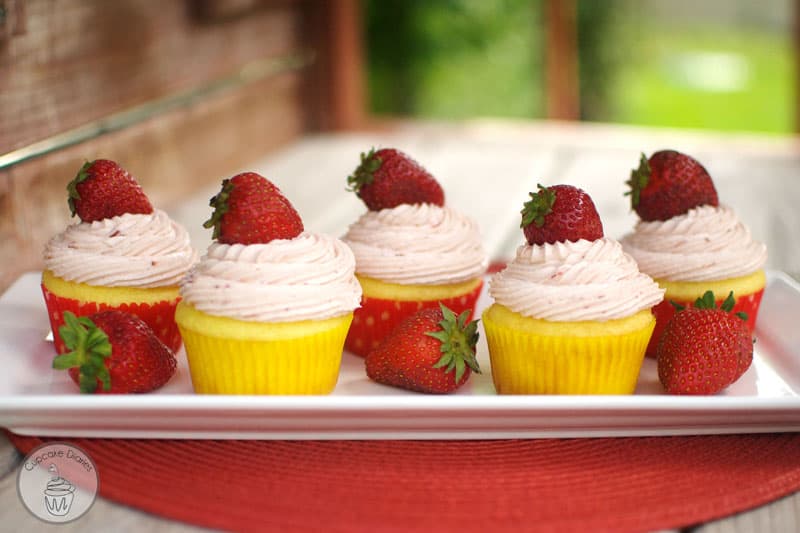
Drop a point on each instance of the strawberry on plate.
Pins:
(704, 349)
(560, 213)
(249, 209)
(432, 351)
(113, 352)
(387, 178)
(669, 184)
(103, 189)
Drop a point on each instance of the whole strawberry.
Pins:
(388, 178)
(560, 213)
(251, 210)
(704, 349)
(431, 351)
(103, 189)
(669, 184)
(113, 352)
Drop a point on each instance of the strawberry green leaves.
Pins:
(458, 340)
(89, 347)
(364, 173)
(539, 206)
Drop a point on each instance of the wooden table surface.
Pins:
(487, 169)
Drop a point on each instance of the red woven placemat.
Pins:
(621, 484)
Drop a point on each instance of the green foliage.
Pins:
(454, 58)
(458, 59)
(649, 91)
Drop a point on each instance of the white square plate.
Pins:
(37, 400)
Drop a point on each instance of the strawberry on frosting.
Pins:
(408, 235)
(103, 189)
(251, 210)
(684, 233)
(669, 183)
(560, 213)
(264, 266)
(568, 270)
(121, 240)
(387, 178)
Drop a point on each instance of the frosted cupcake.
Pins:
(412, 251)
(123, 255)
(571, 312)
(267, 309)
(690, 243)
(58, 494)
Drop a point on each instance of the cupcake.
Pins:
(690, 243)
(412, 251)
(571, 313)
(267, 308)
(122, 255)
(58, 493)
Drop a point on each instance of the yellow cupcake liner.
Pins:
(524, 362)
(307, 363)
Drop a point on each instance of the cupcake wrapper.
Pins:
(159, 316)
(748, 303)
(526, 363)
(377, 317)
(304, 365)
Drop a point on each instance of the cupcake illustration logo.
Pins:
(59, 493)
(57, 482)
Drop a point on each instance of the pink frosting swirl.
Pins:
(574, 281)
(306, 278)
(417, 244)
(143, 251)
(707, 243)
(58, 486)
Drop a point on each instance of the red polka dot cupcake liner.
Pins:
(748, 303)
(377, 317)
(160, 316)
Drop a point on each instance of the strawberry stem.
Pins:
(677, 306)
(708, 301)
(364, 173)
(89, 347)
(539, 206)
(458, 340)
(729, 302)
(220, 204)
(640, 177)
(72, 186)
